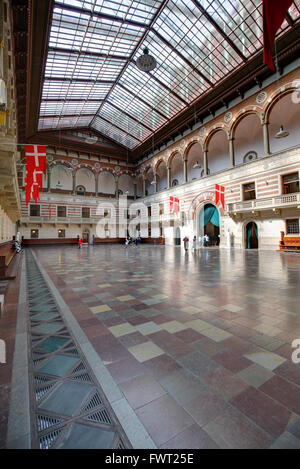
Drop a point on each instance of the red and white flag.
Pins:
(174, 205)
(36, 166)
(274, 12)
(220, 195)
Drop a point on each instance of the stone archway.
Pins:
(251, 235)
(209, 224)
(85, 235)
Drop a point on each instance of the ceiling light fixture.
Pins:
(282, 133)
(146, 62)
(197, 165)
(91, 139)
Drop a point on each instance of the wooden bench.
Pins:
(289, 243)
(7, 253)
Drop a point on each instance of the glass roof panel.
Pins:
(85, 32)
(141, 10)
(123, 121)
(113, 132)
(74, 90)
(90, 74)
(62, 64)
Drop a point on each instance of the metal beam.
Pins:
(97, 14)
(79, 80)
(46, 116)
(63, 100)
(219, 29)
(143, 101)
(87, 53)
(129, 115)
(117, 127)
(161, 83)
(183, 58)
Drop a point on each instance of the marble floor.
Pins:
(199, 344)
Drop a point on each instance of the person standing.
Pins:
(186, 243)
(194, 243)
(79, 243)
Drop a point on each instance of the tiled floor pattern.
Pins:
(200, 344)
(68, 408)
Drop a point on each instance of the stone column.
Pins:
(48, 179)
(155, 183)
(169, 176)
(231, 152)
(185, 170)
(117, 187)
(134, 190)
(74, 182)
(205, 161)
(96, 184)
(265, 127)
(144, 187)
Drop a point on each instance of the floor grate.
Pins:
(66, 398)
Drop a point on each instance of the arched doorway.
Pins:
(251, 237)
(85, 236)
(210, 224)
(177, 237)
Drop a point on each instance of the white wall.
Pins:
(106, 183)
(126, 184)
(85, 177)
(248, 137)
(59, 173)
(7, 227)
(286, 113)
(195, 154)
(177, 169)
(218, 152)
(162, 181)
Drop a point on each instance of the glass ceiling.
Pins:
(91, 79)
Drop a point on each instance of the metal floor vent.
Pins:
(65, 395)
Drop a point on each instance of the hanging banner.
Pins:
(274, 12)
(220, 195)
(174, 205)
(36, 166)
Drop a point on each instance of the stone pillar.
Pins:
(265, 127)
(117, 187)
(231, 152)
(96, 184)
(185, 170)
(155, 183)
(144, 187)
(205, 162)
(48, 179)
(74, 182)
(134, 190)
(169, 176)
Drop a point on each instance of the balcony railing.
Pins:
(280, 201)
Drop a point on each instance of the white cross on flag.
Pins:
(36, 166)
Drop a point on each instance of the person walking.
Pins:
(79, 243)
(186, 243)
(194, 243)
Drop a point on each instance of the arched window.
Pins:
(250, 156)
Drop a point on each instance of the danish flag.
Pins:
(220, 195)
(36, 166)
(174, 205)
